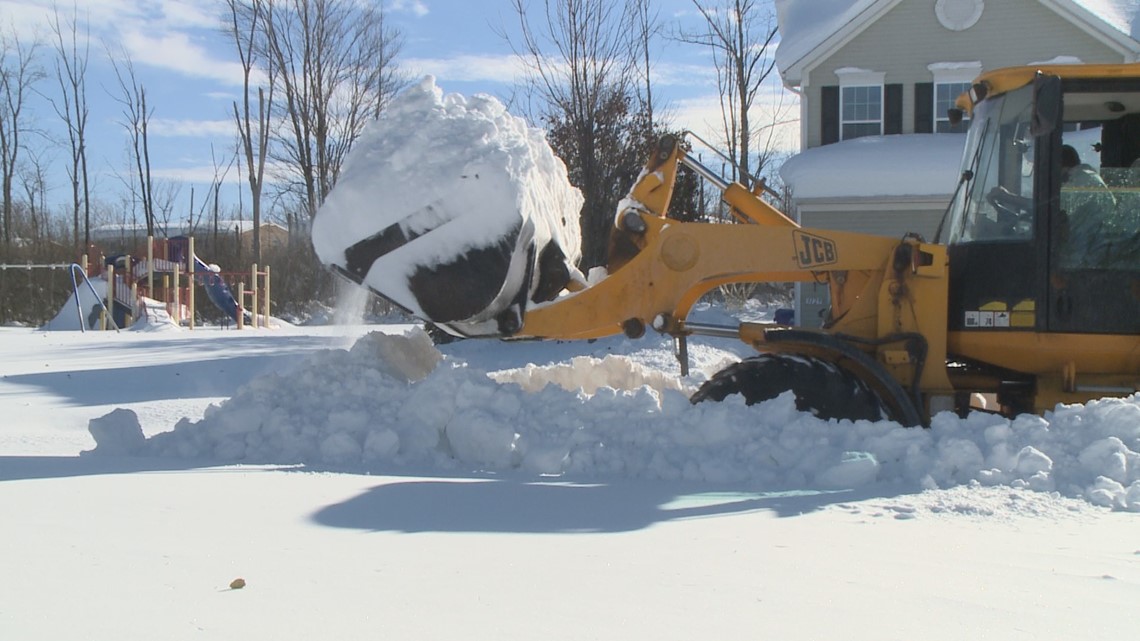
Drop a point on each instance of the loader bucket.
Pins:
(456, 211)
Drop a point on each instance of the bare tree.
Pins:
(739, 33)
(164, 195)
(213, 200)
(335, 63)
(19, 72)
(771, 151)
(581, 64)
(71, 72)
(647, 27)
(33, 182)
(253, 130)
(136, 118)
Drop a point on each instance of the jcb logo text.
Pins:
(812, 251)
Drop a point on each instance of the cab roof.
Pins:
(1000, 81)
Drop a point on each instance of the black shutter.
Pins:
(924, 108)
(892, 109)
(829, 120)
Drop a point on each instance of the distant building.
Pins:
(875, 79)
(112, 235)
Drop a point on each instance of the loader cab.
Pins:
(1038, 243)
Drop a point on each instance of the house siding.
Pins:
(909, 37)
(879, 222)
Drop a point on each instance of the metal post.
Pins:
(241, 298)
(253, 295)
(265, 296)
(109, 273)
(192, 267)
(177, 296)
(150, 266)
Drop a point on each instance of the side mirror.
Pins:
(1046, 104)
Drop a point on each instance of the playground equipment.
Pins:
(168, 274)
(104, 317)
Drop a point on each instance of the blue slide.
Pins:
(216, 289)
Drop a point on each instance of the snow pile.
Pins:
(446, 204)
(589, 375)
(396, 400)
(153, 317)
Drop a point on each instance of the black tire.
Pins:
(821, 388)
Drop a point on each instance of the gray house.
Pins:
(875, 78)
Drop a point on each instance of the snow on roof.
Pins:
(899, 165)
(806, 24)
(1122, 15)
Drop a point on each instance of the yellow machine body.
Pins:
(899, 301)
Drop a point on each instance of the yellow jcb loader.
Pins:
(1029, 294)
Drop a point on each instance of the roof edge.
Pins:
(868, 15)
(1095, 26)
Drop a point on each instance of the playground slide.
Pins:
(81, 310)
(216, 289)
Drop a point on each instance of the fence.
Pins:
(32, 293)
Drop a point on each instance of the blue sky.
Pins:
(191, 76)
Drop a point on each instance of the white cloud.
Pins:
(414, 7)
(275, 174)
(22, 16)
(203, 174)
(469, 68)
(170, 128)
(684, 75)
(190, 13)
(174, 50)
(154, 33)
(105, 15)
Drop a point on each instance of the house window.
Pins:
(860, 103)
(950, 80)
(862, 111)
(945, 93)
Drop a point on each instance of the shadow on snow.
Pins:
(409, 502)
(530, 507)
(212, 374)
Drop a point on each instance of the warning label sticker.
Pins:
(983, 320)
(996, 314)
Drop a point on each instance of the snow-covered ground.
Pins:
(366, 485)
